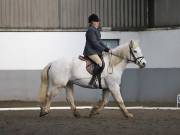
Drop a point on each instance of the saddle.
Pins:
(89, 64)
(91, 68)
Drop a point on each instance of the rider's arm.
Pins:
(106, 48)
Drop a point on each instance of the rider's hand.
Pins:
(106, 49)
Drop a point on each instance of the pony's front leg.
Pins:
(100, 105)
(115, 90)
(70, 99)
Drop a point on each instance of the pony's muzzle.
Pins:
(144, 64)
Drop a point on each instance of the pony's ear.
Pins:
(131, 43)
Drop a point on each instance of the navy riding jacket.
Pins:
(94, 44)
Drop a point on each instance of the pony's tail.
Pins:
(44, 84)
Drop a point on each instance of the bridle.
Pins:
(134, 60)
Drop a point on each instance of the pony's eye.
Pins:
(135, 51)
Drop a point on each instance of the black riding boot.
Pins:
(96, 75)
(92, 83)
(99, 80)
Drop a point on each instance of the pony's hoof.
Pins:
(90, 115)
(93, 112)
(42, 112)
(130, 115)
(77, 114)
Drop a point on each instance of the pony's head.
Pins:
(136, 55)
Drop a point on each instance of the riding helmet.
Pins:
(93, 17)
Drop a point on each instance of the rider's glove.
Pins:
(106, 49)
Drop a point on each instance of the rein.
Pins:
(110, 64)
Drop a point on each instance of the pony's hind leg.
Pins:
(52, 93)
(100, 105)
(70, 99)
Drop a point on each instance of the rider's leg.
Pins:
(97, 69)
(95, 58)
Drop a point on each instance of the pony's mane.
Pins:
(119, 52)
(121, 46)
(135, 44)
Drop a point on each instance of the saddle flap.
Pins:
(89, 64)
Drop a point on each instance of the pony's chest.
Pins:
(116, 76)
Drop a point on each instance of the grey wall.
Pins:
(166, 12)
(25, 84)
(117, 14)
(23, 54)
(72, 14)
(29, 14)
(160, 85)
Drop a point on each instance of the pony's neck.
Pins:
(121, 53)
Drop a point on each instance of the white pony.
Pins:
(64, 73)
